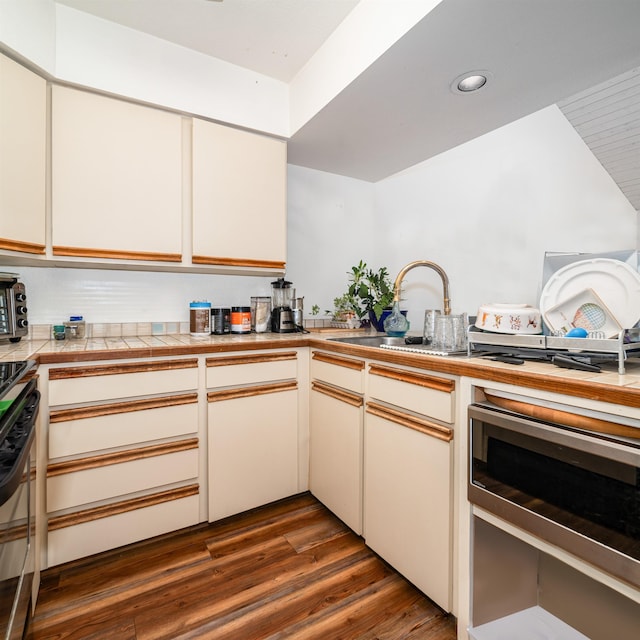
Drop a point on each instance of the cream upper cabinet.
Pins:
(23, 131)
(239, 198)
(116, 179)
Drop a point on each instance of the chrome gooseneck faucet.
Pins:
(432, 265)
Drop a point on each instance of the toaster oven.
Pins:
(13, 310)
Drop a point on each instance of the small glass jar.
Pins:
(58, 332)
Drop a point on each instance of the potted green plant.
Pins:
(372, 288)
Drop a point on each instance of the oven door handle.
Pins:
(559, 434)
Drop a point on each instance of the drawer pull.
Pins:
(251, 359)
(422, 380)
(339, 394)
(88, 252)
(247, 392)
(339, 361)
(80, 413)
(107, 510)
(411, 422)
(118, 457)
(126, 367)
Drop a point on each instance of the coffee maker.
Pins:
(282, 314)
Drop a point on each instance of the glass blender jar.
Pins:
(282, 314)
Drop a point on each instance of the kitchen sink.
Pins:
(370, 341)
(396, 344)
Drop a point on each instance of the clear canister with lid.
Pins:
(200, 319)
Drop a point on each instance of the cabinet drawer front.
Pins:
(75, 385)
(425, 394)
(251, 369)
(104, 533)
(75, 436)
(347, 373)
(107, 481)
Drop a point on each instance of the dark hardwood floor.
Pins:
(288, 570)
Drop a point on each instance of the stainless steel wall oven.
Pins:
(576, 488)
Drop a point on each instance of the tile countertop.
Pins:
(607, 386)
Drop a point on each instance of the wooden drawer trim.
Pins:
(339, 394)
(420, 379)
(411, 422)
(81, 413)
(24, 247)
(247, 392)
(118, 457)
(105, 511)
(19, 532)
(339, 361)
(127, 367)
(238, 262)
(86, 252)
(256, 358)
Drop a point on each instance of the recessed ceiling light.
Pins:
(470, 81)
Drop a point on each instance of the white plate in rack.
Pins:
(614, 282)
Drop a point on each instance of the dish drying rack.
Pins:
(589, 347)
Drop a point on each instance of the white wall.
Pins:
(328, 230)
(485, 211)
(102, 295)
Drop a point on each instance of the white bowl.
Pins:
(509, 318)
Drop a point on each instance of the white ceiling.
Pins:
(272, 37)
(401, 111)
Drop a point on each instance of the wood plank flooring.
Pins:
(288, 570)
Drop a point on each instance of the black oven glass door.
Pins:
(587, 485)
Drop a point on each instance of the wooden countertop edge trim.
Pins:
(603, 392)
(403, 419)
(105, 511)
(339, 394)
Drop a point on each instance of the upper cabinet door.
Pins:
(116, 179)
(239, 198)
(23, 131)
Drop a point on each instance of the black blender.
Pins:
(282, 315)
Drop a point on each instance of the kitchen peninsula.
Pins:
(123, 412)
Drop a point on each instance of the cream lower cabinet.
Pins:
(252, 430)
(408, 476)
(336, 426)
(123, 460)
